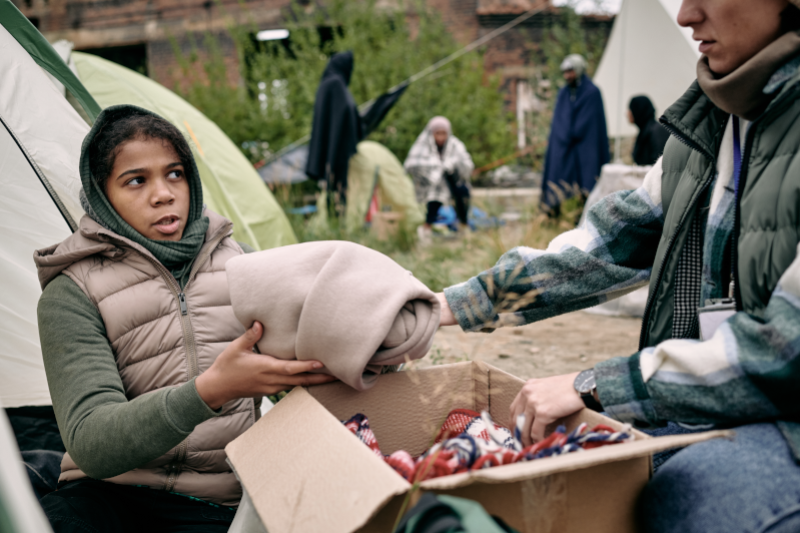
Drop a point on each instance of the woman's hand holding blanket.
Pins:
(239, 372)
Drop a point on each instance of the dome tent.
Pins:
(40, 138)
(40, 143)
(41, 132)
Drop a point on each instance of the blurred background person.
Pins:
(335, 131)
(652, 135)
(441, 168)
(578, 144)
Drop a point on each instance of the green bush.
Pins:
(273, 106)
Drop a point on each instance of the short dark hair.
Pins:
(108, 141)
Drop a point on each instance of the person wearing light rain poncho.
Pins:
(441, 168)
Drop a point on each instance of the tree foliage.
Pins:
(272, 105)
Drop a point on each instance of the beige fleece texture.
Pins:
(343, 304)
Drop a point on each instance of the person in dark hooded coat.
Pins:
(652, 136)
(336, 128)
(578, 145)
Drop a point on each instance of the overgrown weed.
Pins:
(445, 262)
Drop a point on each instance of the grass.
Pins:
(445, 262)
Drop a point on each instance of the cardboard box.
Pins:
(305, 472)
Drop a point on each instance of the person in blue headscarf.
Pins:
(578, 145)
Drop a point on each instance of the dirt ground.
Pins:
(559, 345)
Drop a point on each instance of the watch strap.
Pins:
(590, 402)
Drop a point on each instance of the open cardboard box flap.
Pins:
(304, 471)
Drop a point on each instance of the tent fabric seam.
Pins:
(50, 64)
(42, 178)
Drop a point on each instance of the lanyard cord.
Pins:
(737, 156)
(737, 170)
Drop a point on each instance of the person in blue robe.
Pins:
(578, 145)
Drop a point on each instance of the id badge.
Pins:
(713, 314)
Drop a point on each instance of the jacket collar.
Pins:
(93, 239)
(697, 122)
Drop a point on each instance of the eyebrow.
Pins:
(141, 170)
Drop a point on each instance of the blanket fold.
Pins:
(343, 304)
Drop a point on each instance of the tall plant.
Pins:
(273, 105)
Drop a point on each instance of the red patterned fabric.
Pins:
(480, 443)
(461, 421)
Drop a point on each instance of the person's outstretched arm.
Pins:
(611, 254)
(748, 371)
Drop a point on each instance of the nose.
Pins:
(162, 193)
(690, 13)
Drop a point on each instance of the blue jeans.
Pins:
(748, 484)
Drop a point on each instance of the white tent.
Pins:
(40, 141)
(647, 53)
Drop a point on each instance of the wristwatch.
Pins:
(586, 386)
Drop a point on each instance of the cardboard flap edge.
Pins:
(249, 452)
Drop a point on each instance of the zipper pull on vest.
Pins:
(182, 301)
(731, 290)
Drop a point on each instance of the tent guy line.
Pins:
(422, 73)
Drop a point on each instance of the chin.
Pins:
(721, 67)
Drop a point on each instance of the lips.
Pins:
(705, 46)
(167, 225)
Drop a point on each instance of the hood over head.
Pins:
(341, 64)
(175, 255)
(439, 123)
(642, 110)
(574, 62)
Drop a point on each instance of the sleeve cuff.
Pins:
(186, 409)
(471, 305)
(622, 391)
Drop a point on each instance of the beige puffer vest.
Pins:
(163, 336)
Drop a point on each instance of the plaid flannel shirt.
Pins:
(612, 253)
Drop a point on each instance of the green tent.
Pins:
(375, 165)
(375, 169)
(231, 186)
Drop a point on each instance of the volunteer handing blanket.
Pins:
(345, 305)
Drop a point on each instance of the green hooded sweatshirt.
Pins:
(94, 413)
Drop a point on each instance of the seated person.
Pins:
(717, 218)
(150, 373)
(441, 169)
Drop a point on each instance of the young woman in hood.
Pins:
(652, 136)
(150, 373)
(716, 226)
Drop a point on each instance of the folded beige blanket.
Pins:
(343, 304)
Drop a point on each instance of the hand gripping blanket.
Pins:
(353, 309)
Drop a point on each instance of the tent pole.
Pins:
(620, 101)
